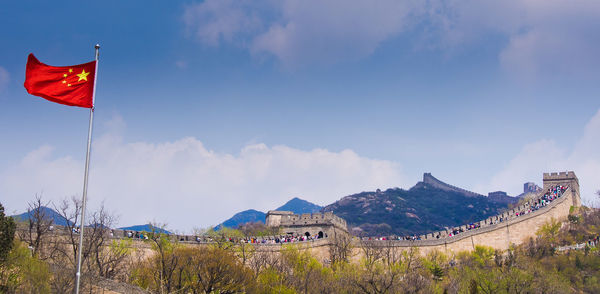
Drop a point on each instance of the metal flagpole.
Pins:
(85, 178)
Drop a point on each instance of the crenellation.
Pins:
(321, 224)
(498, 231)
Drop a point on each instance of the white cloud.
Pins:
(545, 156)
(185, 184)
(543, 37)
(4, 79)
(298, 32)
(330, 31)
(216, 21)
(552, 36)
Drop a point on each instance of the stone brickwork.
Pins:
(493, 233)
(501, 235)
(498, 235)
(275, 217)
(563, 178)
(307, 224)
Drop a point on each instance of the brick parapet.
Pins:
(512, 230)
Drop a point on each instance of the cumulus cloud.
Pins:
(298, 32)
(545, 156)
(216, 21)
(185, 184)
(4, 79)
(540, 36)
(330, 31)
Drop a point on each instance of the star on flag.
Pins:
(69, 85)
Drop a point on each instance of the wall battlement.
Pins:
(566, 179)
(498, 235)
(301, 224)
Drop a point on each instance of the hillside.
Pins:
(246, 216)
(299, 206)
(145, 228)
(48, 212)
(424, 208)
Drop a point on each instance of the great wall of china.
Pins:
(512, 230)
(499, 232)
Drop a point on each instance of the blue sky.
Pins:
(208, 108)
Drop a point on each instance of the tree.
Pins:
(166, 261)
(340, 247)
(7, 234)
(98, 258)
(224, 237)
(216, 270)
(106, 256)
(39, 225)
(24, 273)
(202, 269)
(300, 271)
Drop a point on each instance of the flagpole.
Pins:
(85, 177)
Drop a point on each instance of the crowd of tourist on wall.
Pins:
(266, 240)
(552, 194)
(393, 238)
(251, 240)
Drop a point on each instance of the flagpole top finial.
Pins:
(97, 46)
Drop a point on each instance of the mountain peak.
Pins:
(295, 205)
(48, 213)
(300, 206)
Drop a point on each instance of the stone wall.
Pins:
(563, 178)
(513, 230)
(498, 235)
(309, 224)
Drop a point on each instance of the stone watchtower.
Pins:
(565, 179)
(307, 224)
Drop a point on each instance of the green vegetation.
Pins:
(37, 257)
(7, 234)
(534, 267)
(229, 266)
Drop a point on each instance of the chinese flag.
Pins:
(68, 85)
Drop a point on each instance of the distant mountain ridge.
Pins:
(58, 220)
(50, 213)
(300, 206)
(246, 216)
(145, 228)
(295, 205)
(430, 205)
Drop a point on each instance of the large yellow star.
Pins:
(83, 75)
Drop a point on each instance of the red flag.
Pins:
(68, 85)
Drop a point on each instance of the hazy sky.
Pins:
(208, 108)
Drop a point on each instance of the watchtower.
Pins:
(565, 179)
(307, 224)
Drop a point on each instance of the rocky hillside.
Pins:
(422, 209)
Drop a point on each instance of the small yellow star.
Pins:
(65, 75)
(83, 75)
(70, 70)
(68, 85)
(64, 82)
